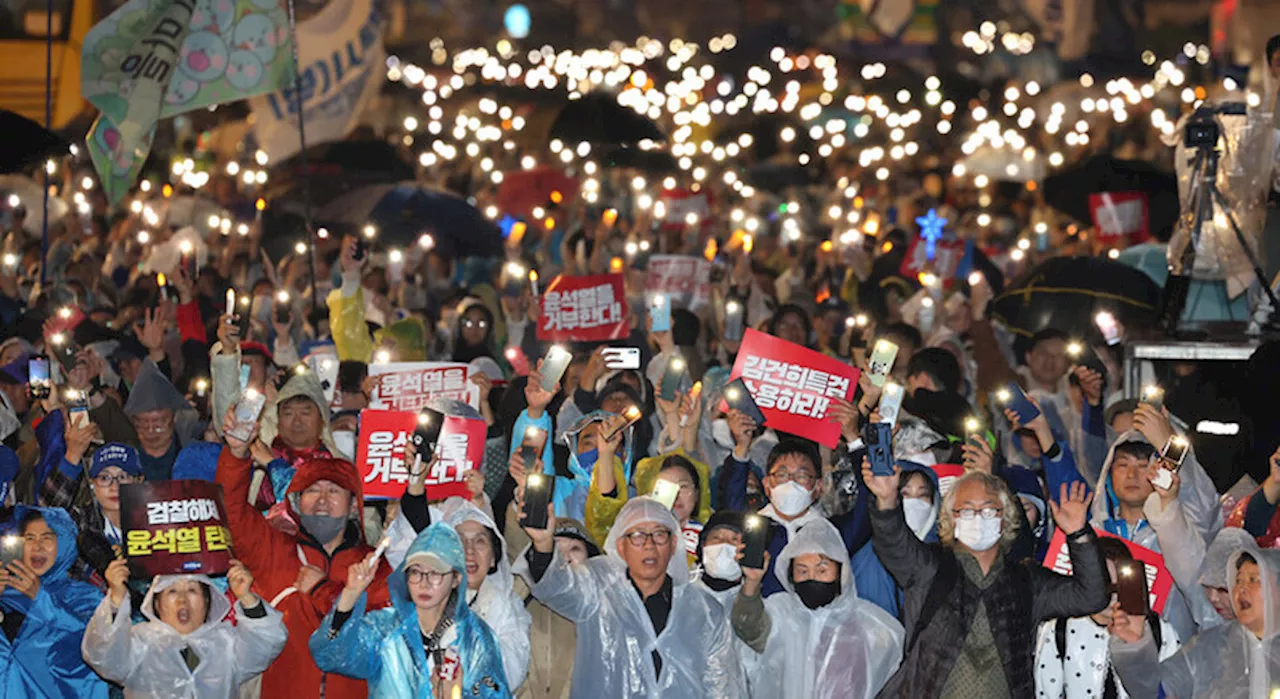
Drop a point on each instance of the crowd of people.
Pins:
(870, 583)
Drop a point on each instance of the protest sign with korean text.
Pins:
(1159, 579)
(678, 204)
(588, 308)
(174, 527)
(793, 385)
(687, 279)
(949, 260)
(412, 386)
(460, 449)
(380, 454)
(1120, 217)
(947, 476)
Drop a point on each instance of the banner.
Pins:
(686, 278)
(411, 386)
(793, 385)
(1159, 579)
(381, 462)
(1122, 218)
(679, 203)
(174, 527)
(947, 475)
(154, 59)
(589, 308)
(343, 64)
(951, 259)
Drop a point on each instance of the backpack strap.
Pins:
(1060, 637)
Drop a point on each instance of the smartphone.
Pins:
(65, 351)
(734, 325)
(38, 377)
(325, 367)
(1171, 458)
(1131, 587)
(665, 492)
(78, 408)
(1153, 395)
(755, 538)
(672, 375)
(537, 495)
(11, 546)
(1012, 396)
(247, 410)
(622, 357)
(878, 436)
(891, 403)
(361, 250)
(630, 416)
(1108, 326)
(554, 366)
(660, 313)
(427, 431)
(535, 440)
(737, 397)
(282, 311)
(882, 357)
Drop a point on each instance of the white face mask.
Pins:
(345, 441)
(919, 514)
(978, 533)
(720, 561)
(790, 499)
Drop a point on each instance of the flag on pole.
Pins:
(154, 59)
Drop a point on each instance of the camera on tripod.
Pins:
(1202, 130)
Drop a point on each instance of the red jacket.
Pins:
(275, 559)
(1269, 538)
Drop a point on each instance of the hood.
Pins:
(152, 390)
(407, 337)
(1103, 509)
(644, 510)
(219, 605)
(66, 530)
(441, 541)
(337, 470)
(932, 475)
(457, 510)
(818, 536)
(571, 441)
(305, 384)
(463, 353)
(1228, 542)
(1269, 567)
(915, 440)
(647, 471)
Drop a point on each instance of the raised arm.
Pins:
(909, 560)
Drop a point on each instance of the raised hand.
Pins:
(240, 580)
(885, 488)
(1090, 384)
(845, 413)
(977, 455)
(1071, 512)
(117, 576)
(752, 577)
(537, 398)
(359, 577)
(1153, 424)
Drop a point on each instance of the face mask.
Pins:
(790, 499)
(721, 434)
(721, 561)
(919, 514)
(816, 594)
(345, 441)
(587, 459)
(322, 527)
(978, 533)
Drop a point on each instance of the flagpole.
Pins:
(48, 125)
(302, 142)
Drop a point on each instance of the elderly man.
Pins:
(643, 629)
(970, 614)
(164, 420)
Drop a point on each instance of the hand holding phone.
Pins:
(553, 367)
(1131, 587)
(878, 437)
(665, 492)
(890, 403)
(883, 355)
(660, 313)
(246, 412)
(1012, 397)
(538, 488)
(532, 446)
(38, 378)
(672, 375)
(737, 397)
(755, 539)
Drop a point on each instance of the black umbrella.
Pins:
(369, 160)
(402, 213)
(1066, 293)
(654, 162)
(777, 177)
(26, 143)
(1069, 191)
(597, 118)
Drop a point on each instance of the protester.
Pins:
(99, 523)
(188, 646)
(163, 419)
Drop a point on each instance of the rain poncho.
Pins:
(346, 320)
(495, 601)
(616, 640)
(43, 660)
(602, 511)
(1224, 662)
(570, 493)
(848, 648)
(147, 658)
(385, 646)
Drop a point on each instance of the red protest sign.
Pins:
(679, 203)
(793, 385)
(1120, 217)
(947, 475)
(174, 527)
(1159, 579)
(460, 449)
(946, 259)
(687, 279)
(381, 462)
(411, 386)
(588, 308)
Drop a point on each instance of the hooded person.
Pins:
(692, 505)
(489, 590)
(301, 574)
(1238, 659)
(405, 650)
(719, 572)
(475, 333)
(921, 499)
(818, 639)
(164, 420)
(1213, 573)
(189, 645)
(586, 443)
(643, 630)
(296, 428)
(43, 612)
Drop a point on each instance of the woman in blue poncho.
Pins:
(45, 612)
(428, 642)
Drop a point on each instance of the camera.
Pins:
(1202, 129)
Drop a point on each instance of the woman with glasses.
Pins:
(428, 643)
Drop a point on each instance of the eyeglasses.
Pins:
(970, 513)
(432, 578)
(659, 537)
(803, 478)
(106, 480)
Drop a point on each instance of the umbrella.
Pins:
(522, 190)
(1069, 190)
(598, 118)
(26, 143)
(372, 160)
(1066, 292)
(403, 212)
(777, 177)
(653, 162)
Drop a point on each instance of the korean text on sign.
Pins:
(174, 527)
(411, 386)
(587, 308)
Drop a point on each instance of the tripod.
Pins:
(1205, 194)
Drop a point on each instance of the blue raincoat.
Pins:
(44, 659)
(384, 647)
(873, 581)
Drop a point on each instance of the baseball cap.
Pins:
(428, 560)
(122, 456)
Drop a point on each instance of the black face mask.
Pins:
(817, 594)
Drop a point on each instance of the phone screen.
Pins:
(38, 377)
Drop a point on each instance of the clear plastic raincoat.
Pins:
(1224, 662)
(147, 658)
(616, 639)
(846, 649)
(385, 646)
(496, 601)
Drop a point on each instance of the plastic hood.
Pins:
(646, 510)
(219, 605)
(1269, 567)
(818, 536)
